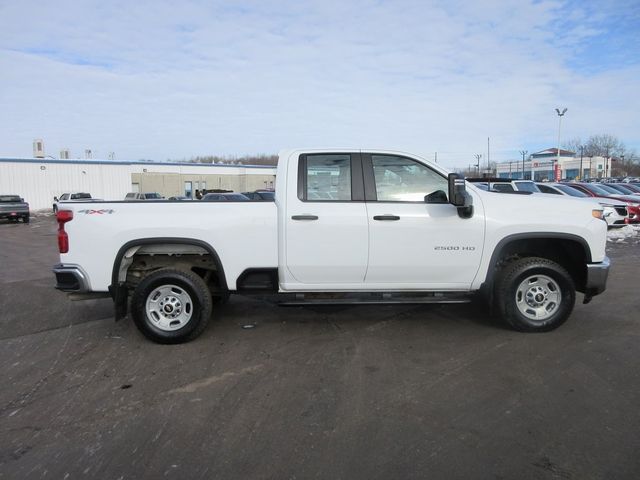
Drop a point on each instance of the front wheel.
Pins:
(171, 306)
(535, 294)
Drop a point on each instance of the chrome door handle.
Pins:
(304, 217)
(386, 217)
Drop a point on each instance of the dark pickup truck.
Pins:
(14, 208)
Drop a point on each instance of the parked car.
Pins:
(597, 190)
(614, 212)
(180, 198)
(623, 189)
(261, 195)
(505, 185)
(14, 208)
(403, 230)
(143, 196)
(224, 197)
(72, 197)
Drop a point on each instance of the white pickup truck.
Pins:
(346, 226)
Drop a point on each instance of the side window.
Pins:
(400, 179)
(546, 189)
(327, 178)
(502, 187)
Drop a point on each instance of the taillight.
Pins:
(63, 216)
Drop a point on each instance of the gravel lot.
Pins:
(332, 392)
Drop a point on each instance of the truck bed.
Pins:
(244, 234)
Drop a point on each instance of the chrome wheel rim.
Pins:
(538, 297)
(169, 307)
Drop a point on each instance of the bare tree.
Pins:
(573, 145)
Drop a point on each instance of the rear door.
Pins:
(326, 226)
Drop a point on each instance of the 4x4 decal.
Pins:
(96, 212)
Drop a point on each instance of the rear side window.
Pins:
(326, 178)
(547, 189)
(502, 187)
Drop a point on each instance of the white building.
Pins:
(540, 166)
(39, 180)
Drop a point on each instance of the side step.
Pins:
(374, 298)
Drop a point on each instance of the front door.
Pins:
(413, 244)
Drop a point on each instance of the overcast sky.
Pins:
(161, 80)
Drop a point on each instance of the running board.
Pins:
(301, 299)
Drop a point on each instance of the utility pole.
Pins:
(478, 157)
(581, 174)
(524, 153)
(488, 155)
(436, 157)
(590, 167)
(557, 166)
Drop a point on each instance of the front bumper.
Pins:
(597, 274)
(71, 278)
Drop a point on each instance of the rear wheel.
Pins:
(171, 306)
(535, 294)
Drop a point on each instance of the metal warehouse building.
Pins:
(39, 180)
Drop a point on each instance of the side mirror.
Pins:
(459, 197)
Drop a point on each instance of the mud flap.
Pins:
(120, 295)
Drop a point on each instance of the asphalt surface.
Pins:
(331, 393)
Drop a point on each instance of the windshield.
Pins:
(622, 189)
(609, 190)
(570, 191)
(9, 198)
(596, 189)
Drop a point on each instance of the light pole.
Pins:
(557, 166)
(478, 157)
(524, 153)
(590, 167)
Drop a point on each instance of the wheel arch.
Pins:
(140, 242)
(570, 251)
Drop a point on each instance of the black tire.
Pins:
(510, 301)
(199, 306)
(25, 219)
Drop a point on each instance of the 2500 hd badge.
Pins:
(454, 248)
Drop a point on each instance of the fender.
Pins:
(119, 292)
(486, 287)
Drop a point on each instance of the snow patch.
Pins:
(619, 235)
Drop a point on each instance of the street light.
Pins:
(560, 115)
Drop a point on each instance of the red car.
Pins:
(593, 190)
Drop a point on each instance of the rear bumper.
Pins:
(71, 278)
(597, 274)
(14, 214)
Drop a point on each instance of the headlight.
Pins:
(597, 213)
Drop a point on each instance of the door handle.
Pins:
(304, 217)
(386, 217)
